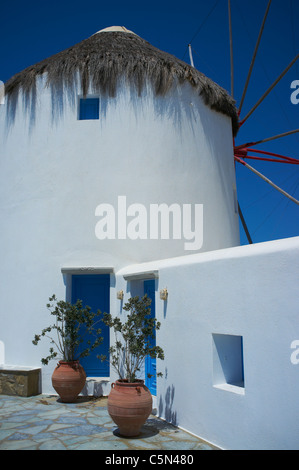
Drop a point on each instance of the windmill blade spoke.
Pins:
(270, 89)
(267, 180)
(244, 224)
(253, 57)
(267, 139)
(267, 159)
(271, 154)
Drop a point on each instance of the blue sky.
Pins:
(33, 30)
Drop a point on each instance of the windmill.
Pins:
(248, 150)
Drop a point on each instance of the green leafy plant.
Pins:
(72, 323)
(137, 332)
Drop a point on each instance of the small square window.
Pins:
(89, 108)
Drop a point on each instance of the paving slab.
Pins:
(43, 422)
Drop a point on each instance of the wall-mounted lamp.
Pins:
(163, 294)
(120, 294)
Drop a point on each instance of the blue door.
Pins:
(150, 362)
(94, 291)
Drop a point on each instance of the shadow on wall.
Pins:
(174, 105)
(165, 407)
(95, 387)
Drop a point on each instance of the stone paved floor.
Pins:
(44, 423)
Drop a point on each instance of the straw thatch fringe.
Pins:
(104, 58)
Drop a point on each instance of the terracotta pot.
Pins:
(129, 405)
(68, 380)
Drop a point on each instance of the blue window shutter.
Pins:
(89, 108)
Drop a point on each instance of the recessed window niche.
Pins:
(228, 368)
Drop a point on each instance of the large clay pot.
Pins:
(129, 405)
(68, 380)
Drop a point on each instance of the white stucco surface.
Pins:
(250, 292)
(56, 170)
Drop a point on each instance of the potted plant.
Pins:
(130, 401)
(72, 323)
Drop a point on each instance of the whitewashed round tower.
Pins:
(112, 153)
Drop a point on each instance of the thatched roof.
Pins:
(111, 54)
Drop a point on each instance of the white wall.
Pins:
(55, 170)
(249, 291)
(52, 177)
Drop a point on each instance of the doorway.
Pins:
(150, 362)
(94, 291)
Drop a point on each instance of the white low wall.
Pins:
(248, 293)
